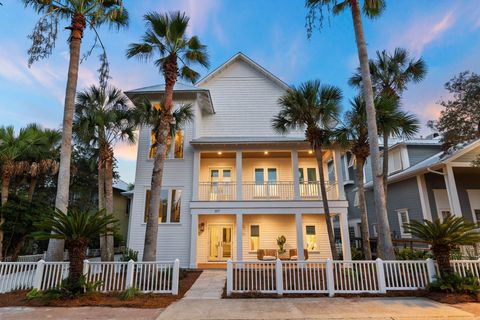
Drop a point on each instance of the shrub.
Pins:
(411, 254)
(456, 254)
(454, 283)
(129, 254)
(357, 254)
(130, 293)
(34, 294)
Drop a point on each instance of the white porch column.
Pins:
(299, 227)
(422, 190)
(196, 174)
(337, 165)
(239, 236)
(452, 191)
(343, 220)
(193, 240)
(296, 178)
(238, 169)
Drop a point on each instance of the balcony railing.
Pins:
(227, 191)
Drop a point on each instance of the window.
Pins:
(170, 205)
(402, 219)
(375, 230)
(176, 153)
(394, 161)
(254, 237)
(356, 199)
(311, 175)
(445, 213)
(311, 237)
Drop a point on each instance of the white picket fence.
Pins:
(151, 277)
(327, 276)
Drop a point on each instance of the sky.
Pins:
(445, 33)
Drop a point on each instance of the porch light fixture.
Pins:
(265, 152)
(202, 227)
(310, 151)
(219, 153)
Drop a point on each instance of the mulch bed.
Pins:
(98, 299)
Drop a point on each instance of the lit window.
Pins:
(170, 202)
(311, 237)
(178, 146)
(254, 237)
(403, 219)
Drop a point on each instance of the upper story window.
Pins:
(402, 219)
(172, 153)
(307, 175)
(170, 205)
(394, 160)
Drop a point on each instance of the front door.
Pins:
(220, 243)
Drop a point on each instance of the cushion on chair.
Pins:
(269, 258)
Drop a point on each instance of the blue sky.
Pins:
(272, 32)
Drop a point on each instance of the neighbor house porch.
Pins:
(239, 236)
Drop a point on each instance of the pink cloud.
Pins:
(126, 151)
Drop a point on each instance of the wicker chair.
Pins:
(266, 254)
(294, 255)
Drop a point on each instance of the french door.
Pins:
(266, 183)
(308, 182)
(220, 238)
(221, 187)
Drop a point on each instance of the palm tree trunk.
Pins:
(101, 198)
(31, 188)
(326, 207)
(5, 184)
(56, 246)
(77, 254)
(161, 135)
(385, 246)
(367, 251)
(385, 164)
(442, 255)
(109, 252)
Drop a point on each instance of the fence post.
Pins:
(130, 269)
(229, 277)
(175, 276)
(279, 277)
(37, 279)
(330, 280)
(431, 270)
(85, 267)
(382, 287)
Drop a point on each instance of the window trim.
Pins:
(169, 205)
(265, 173)
(403, 234)
(304, 230)
(250, 236)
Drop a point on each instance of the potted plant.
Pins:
(282, 253)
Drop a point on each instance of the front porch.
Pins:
(219, 237)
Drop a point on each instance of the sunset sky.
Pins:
(272, 32)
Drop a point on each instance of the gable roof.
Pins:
(436, 160)
(250, 62)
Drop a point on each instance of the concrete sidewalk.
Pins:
(312, 308)
(80, 313)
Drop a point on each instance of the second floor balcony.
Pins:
(266, 176)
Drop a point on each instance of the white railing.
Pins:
(217, 191)
(333, 277)
(466, 267)
(311, 190)
(16, 276)
(267, 190)
(155, 276)
(27, 258)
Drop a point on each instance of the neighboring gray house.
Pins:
(424, 183)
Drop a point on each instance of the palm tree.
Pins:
(390, 75)
(91, 13)
(102, 118)
(314, 108)
(166, 41)
(12, 162)
(372, 9)
(444, 236)
(77, 229)
(43, 158)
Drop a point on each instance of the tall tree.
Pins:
(81, 13)
(460, 119)
(391, 74)
(12, 162)
(166, 42)
(103, 118)
(312, 107)
(371, 9)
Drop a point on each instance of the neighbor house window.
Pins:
(394, 161)
(170, 205)
(445, 214)
(254, 237)
(375, 230)
(176, 152)
(477, 216)
(311, 237)
(403, 219)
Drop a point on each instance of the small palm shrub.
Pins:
(129, 254)
(443, 236)
(130, 294)
(454, 283)
(281, 243)
(78, 229)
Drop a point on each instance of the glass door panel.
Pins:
(220, 243)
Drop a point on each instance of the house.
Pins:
(424, 183)
(121, 206)
(231, 185)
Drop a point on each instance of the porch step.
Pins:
(209, 285)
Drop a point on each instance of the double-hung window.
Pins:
(310, 237)
(254, 237)
(403, 218)
(170, 205)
